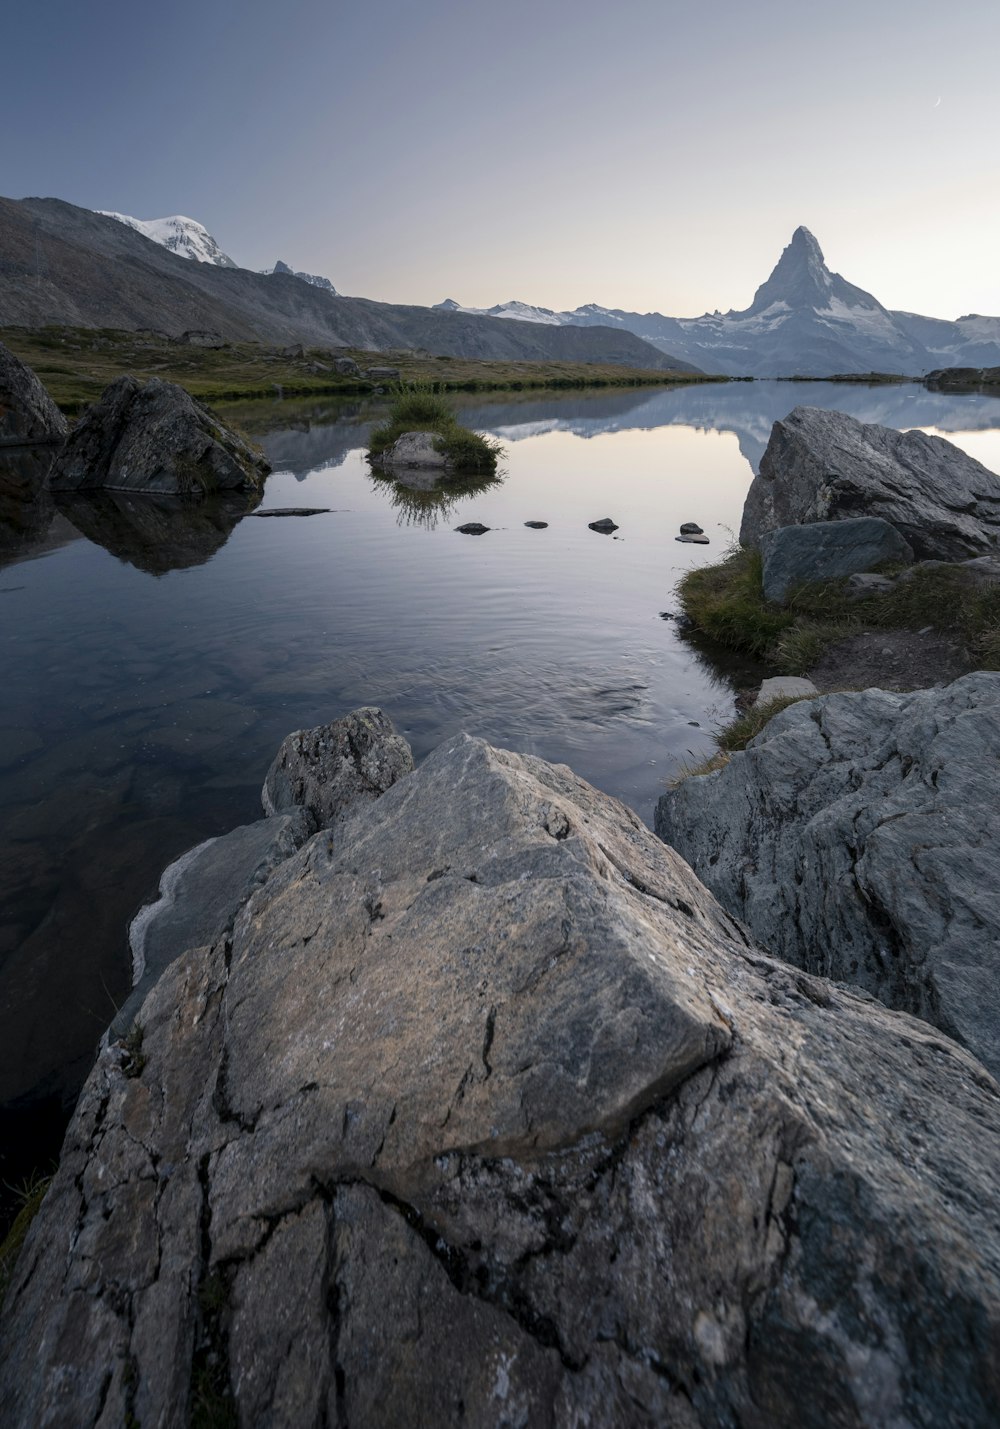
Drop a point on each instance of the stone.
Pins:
(537, 525)
(328, 770)
(294, 350)
(415, 451)
(868, 583)
(605, 526)
(473, 528)
(489, 1114)
(827, 551)
(346, 366)
(294, 511)
(196, 337)
(383, 374)
(857, 836)
(826, 466)
(691, 528)
(694, 540)
(27, 412)
(200, 895)
(156, 438)
(784, 687)
(983, 571)
(318, 368)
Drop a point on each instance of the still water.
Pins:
(152, 662)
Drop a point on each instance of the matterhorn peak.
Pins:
(801, 281)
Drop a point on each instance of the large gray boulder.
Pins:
(488, 1114)
(826, 551)
(826, 466)
(859, 837)
(200, 895)
(328, 770)
(27, 412)
(155, 437)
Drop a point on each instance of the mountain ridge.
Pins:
(63, 264)
(804, 320)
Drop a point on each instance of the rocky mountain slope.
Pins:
(64, 264)
(804, 320)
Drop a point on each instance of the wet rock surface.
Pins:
(857, 836)
(605, 525)
(827, 466)
(155, 437)
(27, 412)
(486, 1112)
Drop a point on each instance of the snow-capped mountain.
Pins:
(183, 236)
(804, 320)
(523, 312)
(314, 278)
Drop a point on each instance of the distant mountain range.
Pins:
(67, 265)
(63, 264)
(803, 321)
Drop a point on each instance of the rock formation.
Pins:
(826, 466)
(857, 838)
(27, 412)
(155, 437)
(487, 1113)
(826, 551)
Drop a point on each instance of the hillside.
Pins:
(60, 264)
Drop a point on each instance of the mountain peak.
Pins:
(801, 280)
(184, 236)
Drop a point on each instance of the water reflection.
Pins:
(428, 504)
(155, 534)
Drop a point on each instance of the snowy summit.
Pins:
(183, 236)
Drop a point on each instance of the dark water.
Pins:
(153, 660)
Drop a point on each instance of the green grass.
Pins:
(76, 364)
(726, 602)
(30, 1196)
(417, 409)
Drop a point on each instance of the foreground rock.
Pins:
(858, 837)
(27, 412)
(329, 770)
(488, 1114)
(826, 466)
(826, 551)
(155, 438)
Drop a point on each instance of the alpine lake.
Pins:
(155, 656)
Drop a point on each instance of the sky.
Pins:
(648, 155)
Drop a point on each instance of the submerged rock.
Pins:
(826, 466)
(155, 437)
(27, 412)
(489, 1113)
(858, 837)
(473, 528)
(605, 525)
(328, 770)
(827, 551)
(537, 525)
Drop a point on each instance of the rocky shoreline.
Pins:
(482, 1109)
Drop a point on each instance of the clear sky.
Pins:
(644, 154)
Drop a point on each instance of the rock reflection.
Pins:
(155, 534)
(26, 508)
(420, 505)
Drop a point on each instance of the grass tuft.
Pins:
(29, 1196)
(418, 409)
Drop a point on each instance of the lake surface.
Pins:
(152, 662)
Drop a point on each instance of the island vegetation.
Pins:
(421, 410)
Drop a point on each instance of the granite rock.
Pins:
(27, 412)
(827, 551)
(826, 466)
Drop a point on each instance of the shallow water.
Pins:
(153, 664)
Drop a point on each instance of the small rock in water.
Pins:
(691, 528)
(473, 528)
(694, 540)
(537, 525)
(666, 615)
(293, 511)
(605, 525)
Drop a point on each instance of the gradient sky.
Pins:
(645, 154)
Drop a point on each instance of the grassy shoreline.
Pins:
(76, 364)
